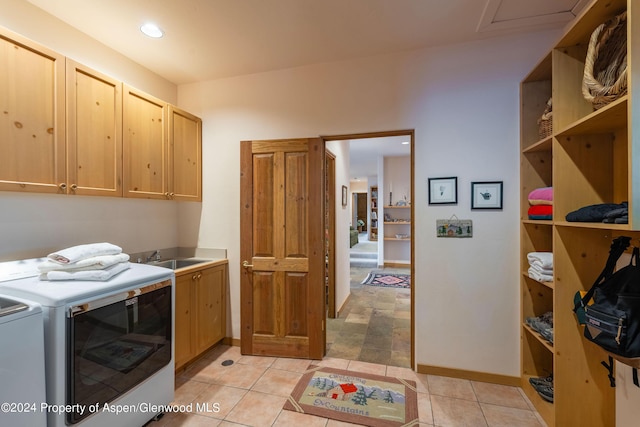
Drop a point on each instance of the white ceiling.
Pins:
(211, 39)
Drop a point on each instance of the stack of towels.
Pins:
(540, 266)
(95, 261)
(541, 203)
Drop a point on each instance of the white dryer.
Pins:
(22, 372)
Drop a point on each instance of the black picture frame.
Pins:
(443, 191)
(486, 195)
(344, 195)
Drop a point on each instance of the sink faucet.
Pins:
(155, 254)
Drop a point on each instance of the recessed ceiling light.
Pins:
(152, 30)
(405, 142)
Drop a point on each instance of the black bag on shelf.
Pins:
(612, 308)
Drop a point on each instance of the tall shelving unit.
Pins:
(373, 214)
(590, 158)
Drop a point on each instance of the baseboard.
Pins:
(346, 300)
(234, 342)
(397, 265)
(470, 375)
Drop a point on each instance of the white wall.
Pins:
(33, 225)
(462, 102)
(343, 219)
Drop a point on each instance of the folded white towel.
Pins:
(94, 263)
(80, 252)
(541, 259)
(99, 275)
(538, 269)
(536, 275)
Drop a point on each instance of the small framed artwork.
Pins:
(344, 195)
(443, 191)
(486, 195)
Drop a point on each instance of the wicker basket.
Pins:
(605, 68)
(545, 123)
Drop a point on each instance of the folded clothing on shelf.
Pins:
(542, 325)
(543, 260)
(540, 212)
(94, 263)
(540, 275)
(603, 212)
(541, 196)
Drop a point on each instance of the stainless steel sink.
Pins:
(175, 264)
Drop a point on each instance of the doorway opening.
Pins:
(375, 322)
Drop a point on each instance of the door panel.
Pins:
(282, 238)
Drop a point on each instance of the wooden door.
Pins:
(282, 246)
(94, 132)
(145, 145)
(185, 155)
(31, 117)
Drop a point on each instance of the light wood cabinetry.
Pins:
(200, 311)
(162, 149)
(591, 158)
(31, 116)
(119, 140)
(185, 155)
(373, 214)
(145, 145)
(94, 132)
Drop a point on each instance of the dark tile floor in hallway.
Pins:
(375, 323)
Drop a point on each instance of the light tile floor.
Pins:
(253, 390)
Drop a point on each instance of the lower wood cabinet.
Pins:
(200, 311)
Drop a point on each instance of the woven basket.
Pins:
(605, 68)
(545, 123)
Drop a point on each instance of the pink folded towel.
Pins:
(541, 196)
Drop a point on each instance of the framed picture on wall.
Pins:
(344, 195)
(443, 191)
(486, 195)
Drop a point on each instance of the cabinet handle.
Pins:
(199, 276)
(62, 186)
(171, 195)
(74, 187)
(194, 277)
(245, 264)
(166, 194)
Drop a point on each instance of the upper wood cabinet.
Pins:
(94, 132)
(31, 116)
(145, 146)
(162, 149)
(185, 155)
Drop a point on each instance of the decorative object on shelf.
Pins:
(486, 195)
(344, 195)
(454, 227)
(545, 122)
(443, 191)
(402, 236)
(605, 68)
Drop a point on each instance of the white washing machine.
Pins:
(22, 374)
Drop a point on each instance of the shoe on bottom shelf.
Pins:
(548, 381)
(545, 391)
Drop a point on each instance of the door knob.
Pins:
(245, 264)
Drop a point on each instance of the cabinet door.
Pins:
(185, 348)
(94, 132)
(185, 155)
(31, 116)
(145, 145)
(210, 306)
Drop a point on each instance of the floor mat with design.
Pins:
(354, 397)
(389, 280)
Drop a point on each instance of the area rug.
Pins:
(389, 280)
(353, 397)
